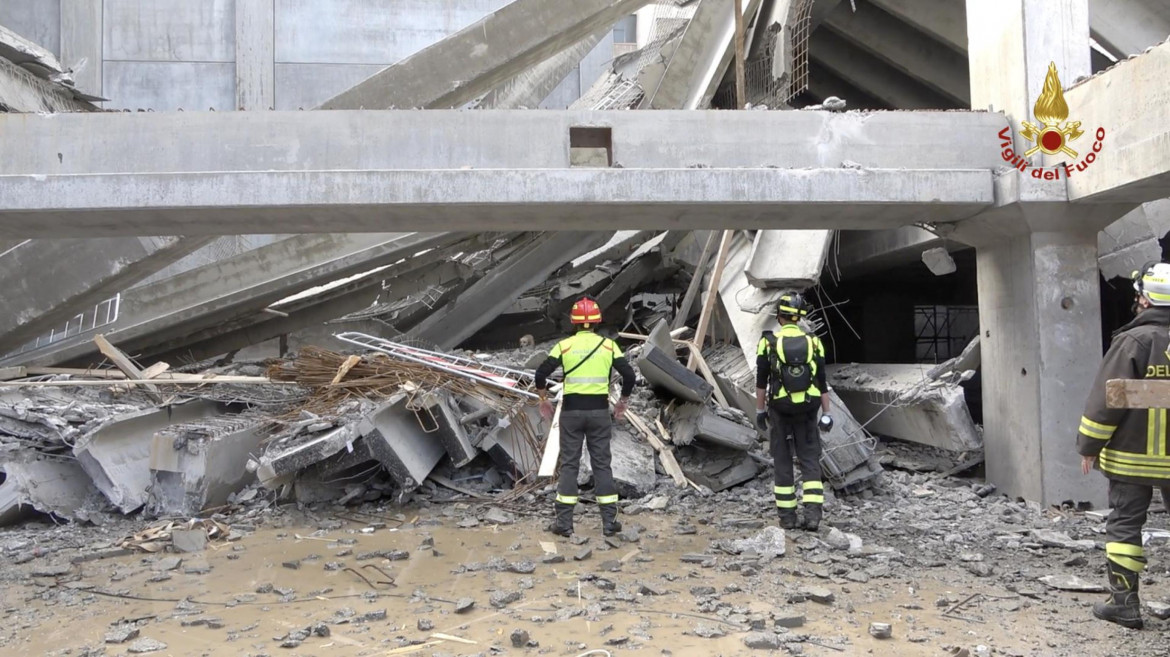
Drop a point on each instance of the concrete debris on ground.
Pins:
(398, 419)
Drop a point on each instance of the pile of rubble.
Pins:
(403, 410)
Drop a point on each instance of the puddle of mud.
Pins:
(252, 621)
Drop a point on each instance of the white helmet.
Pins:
(1153, 283)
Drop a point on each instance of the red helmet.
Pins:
(585, 311)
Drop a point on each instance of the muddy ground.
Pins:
(948, 570)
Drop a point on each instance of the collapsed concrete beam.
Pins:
(863, 252)
(90, 271)
(1129, 26)
(395, 438)
(529, 88)
(500, 287)
(509, 443)
(276, 464)
(901, 402)
(21, 91)
(788, 258)
(632, 462)
(50, 485)
(751, 310)
(178, 307)
(197, 465)
(691, 421)
(1127, 244)
(719, 469)
(662, 370)
(701, 58)
(116, 454)
(483, 55)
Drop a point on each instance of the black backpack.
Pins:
(791, 366)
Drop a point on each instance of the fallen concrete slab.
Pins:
(691, 421)
(397, 440)
(900, 401)
(197, 465)
(632, 462)
(273, 467)
(752, 310)
(116, 455)
(50, 485)
(511, 443)
(662, 370)
(788, 259)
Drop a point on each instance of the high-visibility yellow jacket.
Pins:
(1131, 444)
(588, 359)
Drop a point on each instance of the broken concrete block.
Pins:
(939, 261)
(790, 259)
(719, 469)
(901, 402)
(690, 421)
(441, 415)
(116, 455)
(57, 486)
(197, 465)
(302, 452)
(632, 462)
(394, 437)
(662, 370)
(189, 540)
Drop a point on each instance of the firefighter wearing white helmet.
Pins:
(1129, 446)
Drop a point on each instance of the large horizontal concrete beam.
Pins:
(484, 55)
(876, 77)
(1129, 26)
(1131, 103)
(490, 139)
(509, 199)
(944, 20)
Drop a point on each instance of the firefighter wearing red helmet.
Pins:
(587, 359)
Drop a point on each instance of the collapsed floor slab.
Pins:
(901, 402)
(50, 485)
(116, 455)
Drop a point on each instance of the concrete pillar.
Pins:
(81, 43)
(1040, 330)
(255, 55)
(1039, 304)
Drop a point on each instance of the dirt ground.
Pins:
(246, 597)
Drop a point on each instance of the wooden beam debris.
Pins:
(126, 365)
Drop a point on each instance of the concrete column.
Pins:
(81, 43)
(255, 55)
(1039, 315)
(1039, 304)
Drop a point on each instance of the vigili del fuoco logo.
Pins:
(1055, 135)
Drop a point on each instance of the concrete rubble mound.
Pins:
(391, 405)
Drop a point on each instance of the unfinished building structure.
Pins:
(800, 187)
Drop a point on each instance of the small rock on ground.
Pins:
(143, 646)
(464, 605)
(880, 630)
(519, 638)
(761, 640)
(122, 634)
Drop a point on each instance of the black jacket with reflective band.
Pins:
(1131, 444)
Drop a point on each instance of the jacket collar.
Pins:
(1153, 316)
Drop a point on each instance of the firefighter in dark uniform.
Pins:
(790, 377)
(587, 360)
(1129, 446)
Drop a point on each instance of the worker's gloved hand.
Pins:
(619, 410)
(546, 409)
(762, 420)
(826, 423)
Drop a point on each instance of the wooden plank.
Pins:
(154, 371)
(552, 446)
(665, 455)
(345, 368)
(125, 364)
(10, 373)
(712, 293)
(76, 371)
(684, 310)
(194, 380)
(1137, 393)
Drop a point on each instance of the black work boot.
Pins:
(609, 522)
(563, 524)
(812, 517)
(788, 519)
(1123, 606)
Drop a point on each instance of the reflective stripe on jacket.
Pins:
(1131, 444)
(590, 377)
